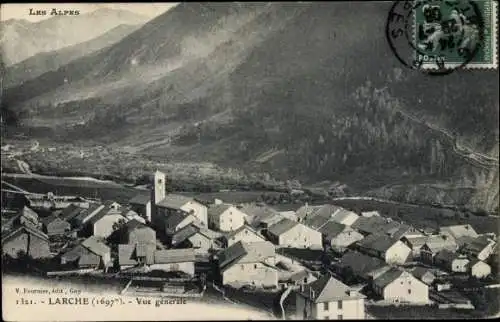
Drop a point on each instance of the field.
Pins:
(66, 186)
(422, 216)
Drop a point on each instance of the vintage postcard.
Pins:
(250, 161)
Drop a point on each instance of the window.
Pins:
(254, 265)
(409, 291)
(339, 305)
(339, 317)
(401, 282)
(325, 306)
(326, 317)
(242, 266)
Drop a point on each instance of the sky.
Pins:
(21, 11)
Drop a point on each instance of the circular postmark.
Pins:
(435, 36)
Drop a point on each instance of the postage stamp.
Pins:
(441, 36)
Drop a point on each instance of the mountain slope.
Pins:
(21, 39)
(305, 84)
(49, 61)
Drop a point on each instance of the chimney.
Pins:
(311, 293)
(217, 201)
(302, 287)
(467, 227)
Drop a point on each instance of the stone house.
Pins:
(135, 232)
(105, 222)
(245, 234)
(392, 251)
(480, 247)
(90, 253)
(424, 274)
(249, 264)
(451, 261)
(225, 217)
(399, 286)
(338, 236)
(53, 226)
(26, 240)
(329, 299)
(434, 244)
(141, 204)
(174, 260)
(193, 236)
(478, 269)
(289, 233)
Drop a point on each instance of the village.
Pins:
(318, 262)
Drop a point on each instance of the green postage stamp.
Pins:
(444, 35)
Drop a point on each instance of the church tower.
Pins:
(157, 194)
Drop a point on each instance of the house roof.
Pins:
(342, 214)
(305, 211)
(246, 253)
(439, 242)
(107, 210)
(388, 277)
(328, 289)
(282, 226)
(257, 213)
(141, 199)
(49, 219)
(459, 231)
(23, 228)
(476, 245)
(174, 256)
(332, 229)
(474, 262)
(378, 242)
(174, 201)
(145, 250)
(446, 256)
(370, 224)
(135, 224)
(74, 253)
(419, 272)
(70, 212)
(28, 212)
(299, 276)
(416, 241)
(184, 234)
(176, 218)
(215, 211)
(86, 212)
(96, 246)
(316, 222)
(230, 234)
(360, 264)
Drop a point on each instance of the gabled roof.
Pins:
(96, 246)
(23, 228)
(140, 199)
(305, 211)
(419, 272)
(71, 211)
(370, 225)
(446, 256)
(459, 231)
(28, 212)
(342, 214)
(174, 256)
(388, 277)
(332, 229)
(174, 201)
(315, 222)
(49, 219)
(282, 227)
(176, 218)
(135, 224)
(230, 234)
(360, 264)
(74, 253)
(86, 212)
(416, 241)
(246, 253)
(477, 245)
(215, 211)
(377, 242)
(107, 210)
(474, 262)
(184, 233)
(257, 213)
(439, 242)
(328, 289)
